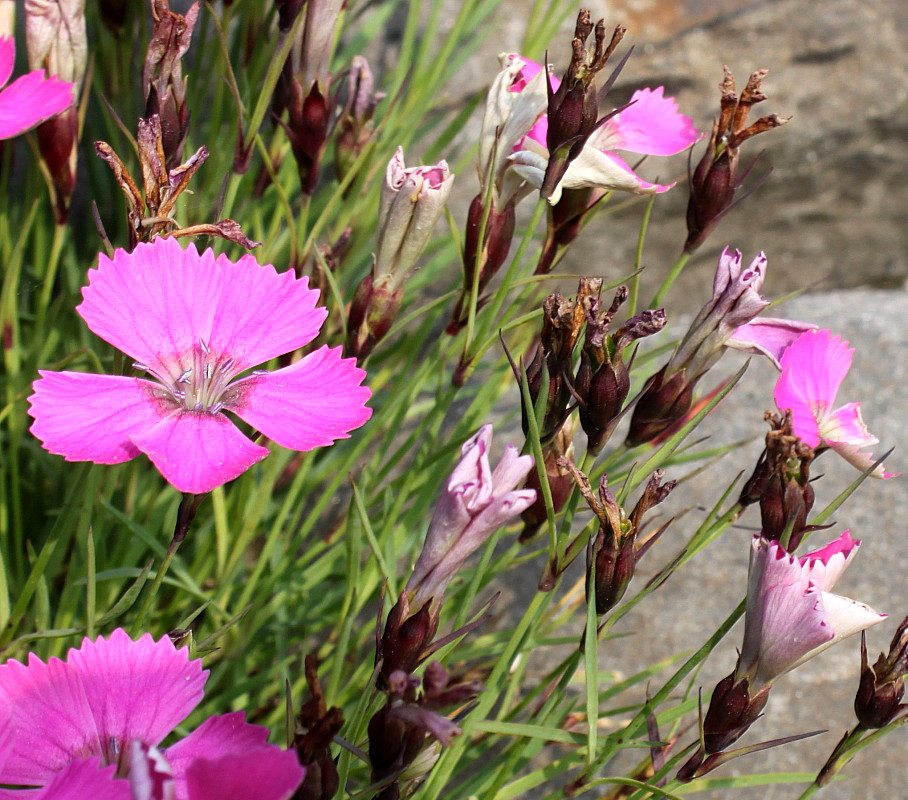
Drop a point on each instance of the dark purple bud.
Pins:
(665, 400)
(879, 698)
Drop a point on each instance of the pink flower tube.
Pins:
(791, 614)
(195, 322)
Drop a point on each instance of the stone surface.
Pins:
(683, 613)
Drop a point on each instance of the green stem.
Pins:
(672, 276)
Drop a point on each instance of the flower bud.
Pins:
(665, 399)
(354, 127)
(879, 698)
(317, 726)
(412, 200)
(559, 479)
(602, 383)
(57, 43)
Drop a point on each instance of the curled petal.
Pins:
(198, 451)
(826, 565)
(86, 417)
(769, 337)
(309, 404)
(432, 722)
(602, 170)
(511, 470)
(651, 125)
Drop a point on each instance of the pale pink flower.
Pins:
(791, 615)
(474, 503)
(194, 322)
(31, 98)
(813, 369)
(108, 706)
(651, 125)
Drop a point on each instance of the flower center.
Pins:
(198, 379)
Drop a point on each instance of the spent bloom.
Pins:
(194, 322)
(31, 98)
(475, 502)
(813, 369)
(69, 725)
(650, 125)
(727, 320)
(791, 614)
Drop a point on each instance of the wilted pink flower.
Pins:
(109, 705)
(31, 98)
(194, 322)
(651, 125)
(475, 503)
(791, 616)
(813, 369)
(727, 320)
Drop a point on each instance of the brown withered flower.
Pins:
(150, 210)
(162, 78)
(717, 178)
(573, 110)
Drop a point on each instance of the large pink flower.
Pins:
(813, 369)
(31, 98)
(110, 704)
(194, 323)
(651, 125)
(791, 615)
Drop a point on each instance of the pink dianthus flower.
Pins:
(813, 368)
(195, 322)
(89, 727)
(31, 98)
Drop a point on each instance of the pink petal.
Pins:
(769, 337)
(198, 451)
(861, 460)
(607, 171)
(265, 773)
(846, 426)
(137, 689)
(784, 618)
(813, 369)
(7, 58)
(309, 404)
(161, 300)
(219, 737)
(87, 417)
(652, 125)
(84, 780)
(826, 565)
(46, 706)
(31, 99)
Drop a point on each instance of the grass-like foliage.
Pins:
(302, 489)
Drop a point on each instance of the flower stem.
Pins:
(189, 505)
(672, 276)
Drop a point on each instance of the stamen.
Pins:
(261, 372)
(216, 407)
(198, 406)
(225, 367)
(184, 376)
(204, 346)
(142, 367)
(208, 371)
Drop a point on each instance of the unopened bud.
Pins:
(354, 127)
(665, 400)
(879, 698)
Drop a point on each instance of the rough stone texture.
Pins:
(683, 613)
(833, 213)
